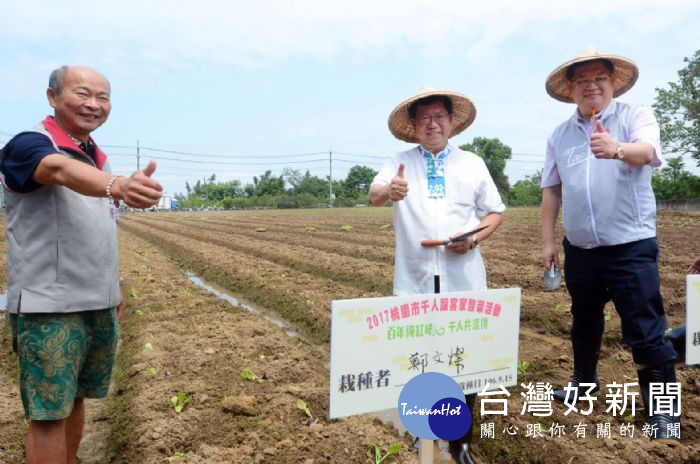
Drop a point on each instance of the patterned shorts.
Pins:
(63, 356)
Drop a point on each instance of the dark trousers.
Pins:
(629, 275)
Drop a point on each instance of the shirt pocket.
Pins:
(462, 193)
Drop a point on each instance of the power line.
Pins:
(255, 163)
(208, 155)
(355, 161)
(247, 163)
(362, 156)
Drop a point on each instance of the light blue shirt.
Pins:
(605, 202)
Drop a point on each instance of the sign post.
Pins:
(379, 344)
(692, 316)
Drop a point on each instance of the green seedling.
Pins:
(523, 367)
(310, 229)
(133, 294)
(385, 227)
(152, 371)
(557, 306)
(247, 374)
(346, 228)
(148, 347)
(179, 401)
(138, 312)
(260, 229)
(179, 455)
(607, 317)
(304, 407)
(379, 456)
(629, 418)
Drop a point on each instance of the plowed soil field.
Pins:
(289, 265)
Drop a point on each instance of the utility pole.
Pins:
(138, 156)
(330, 176)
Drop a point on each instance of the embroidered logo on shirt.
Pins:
(435, 166)
(576, 155)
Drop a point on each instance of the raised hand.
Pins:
(398, 189)
(603, 146)
(139, 190)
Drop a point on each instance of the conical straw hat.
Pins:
(463, 114)
(625, 72)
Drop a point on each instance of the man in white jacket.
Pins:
(598, 166)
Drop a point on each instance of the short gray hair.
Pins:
(59, 74)
(56, 79)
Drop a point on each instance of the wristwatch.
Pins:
(619, 153)
(475, 242)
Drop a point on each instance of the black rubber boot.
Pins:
(461, 449)
(677, 339)
(586, 354)
(660, 373)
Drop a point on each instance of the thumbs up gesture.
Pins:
(139, 190)
(398, 189)
(603, 146)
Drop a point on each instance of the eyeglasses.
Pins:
(583, 82)
(439, 118)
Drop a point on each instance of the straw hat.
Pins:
(463, 114)
(624, 70)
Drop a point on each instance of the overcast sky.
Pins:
(273, 84)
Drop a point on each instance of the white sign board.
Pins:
(379, 344)
(692, 315)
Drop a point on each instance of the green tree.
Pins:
(678, 111)
(673, 182)
(219, 190)
(311, 185)
(293, 177)
(228, 202)
(495, 154)
(527, 192)
(359, 179)
(266, 185)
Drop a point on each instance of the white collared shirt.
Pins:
(470, 195)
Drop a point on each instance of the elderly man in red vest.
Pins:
(63, 286)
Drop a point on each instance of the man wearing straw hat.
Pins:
(598, 166)
(438, 191)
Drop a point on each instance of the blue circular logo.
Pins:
(431, 406)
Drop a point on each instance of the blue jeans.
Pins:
(629, 275)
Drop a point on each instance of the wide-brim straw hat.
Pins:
(625, 73)
(463, 114)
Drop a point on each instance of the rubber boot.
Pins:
(677, 339)
(660, 373)
(586, 354)
(461, 449)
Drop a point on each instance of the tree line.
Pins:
(291, 189)
(677, 109)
